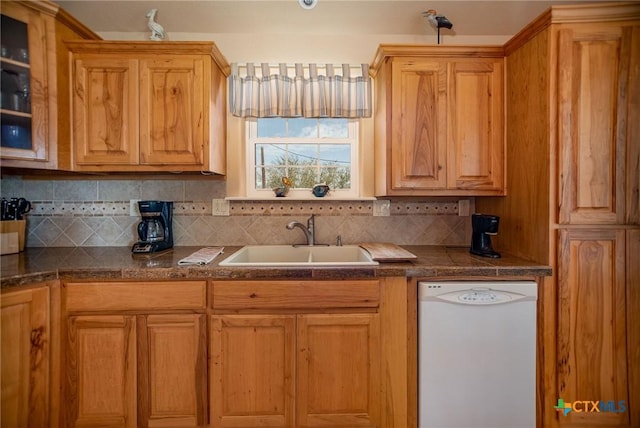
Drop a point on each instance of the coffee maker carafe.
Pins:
(482, 226)
(155, 232)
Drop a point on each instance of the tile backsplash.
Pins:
(102, 212)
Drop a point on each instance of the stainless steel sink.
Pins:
(288, 255)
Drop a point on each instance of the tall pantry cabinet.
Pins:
(573, 150)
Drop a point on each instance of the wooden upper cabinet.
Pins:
(439, 124)
(106, 128)
(598, 110)
(172, 111)
(35, 98)
(475, 132)
(418, 117)
(148, 106)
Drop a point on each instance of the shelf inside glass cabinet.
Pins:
(15, 85)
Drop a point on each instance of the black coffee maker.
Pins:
(482, 226)
(154, 231)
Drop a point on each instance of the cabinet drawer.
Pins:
(295, 294)
(122, 296)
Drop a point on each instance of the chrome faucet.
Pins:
(309, 230)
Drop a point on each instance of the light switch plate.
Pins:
(219, 207)
(381, 208)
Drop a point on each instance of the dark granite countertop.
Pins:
(112, 263)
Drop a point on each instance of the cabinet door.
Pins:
(172, 361)
(25, 358)
(101, 371)
(592, 349)
(24, 109)
(252, 370)
(338, 370)
(172, 111)
(475, 138)
(596, 72)
(418, 121)
(105, 110)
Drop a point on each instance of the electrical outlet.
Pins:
(381, 208)
(219, 207)
(133, 208)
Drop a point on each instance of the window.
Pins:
(307, 151)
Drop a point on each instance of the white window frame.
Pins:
(302, 194)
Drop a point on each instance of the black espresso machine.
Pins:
(154, 230)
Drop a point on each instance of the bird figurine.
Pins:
(437, 21)
(157, 31)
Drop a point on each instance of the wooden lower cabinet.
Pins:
(101, 370)
(252, 370)
(338, 370)
(172, 370)
(323, 367)
(136, 354)
(593, 323)
(305, 353)
(25, 357)
(276, 353)
(137, 370)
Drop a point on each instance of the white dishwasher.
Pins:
(477, 354)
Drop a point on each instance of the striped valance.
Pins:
(299, 91)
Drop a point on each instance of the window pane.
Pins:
(334, 128)
(269, 177)
(304, 177)
(303, 128)
(335, 154)
(270, 128)
(336, 178)
(270, 154)
(303, 154)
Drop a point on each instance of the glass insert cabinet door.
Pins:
(23, 108)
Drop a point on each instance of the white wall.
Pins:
(291, 48)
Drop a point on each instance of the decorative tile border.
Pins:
(245, 208)
(109, 209)
(79, 208)
(340, 208)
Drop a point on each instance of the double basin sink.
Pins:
(301, 256)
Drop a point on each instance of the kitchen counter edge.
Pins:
(36, 265)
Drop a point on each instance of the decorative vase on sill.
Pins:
(282, 191)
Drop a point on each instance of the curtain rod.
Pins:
(259, 68)
(293, 65)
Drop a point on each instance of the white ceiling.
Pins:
(334, 17)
